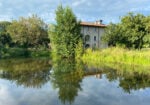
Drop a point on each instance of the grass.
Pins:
(118, 55)
(23, 53)
(119, 59)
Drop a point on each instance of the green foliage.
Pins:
(65, 35)
(129, 77)
(79, 50)
(66, 77)
(118, 55)
(27, 72)
(15, 53)
(131, 32)
(5, 39)
(23, 53)
(29, 32)
(114, 35)
(39, 53)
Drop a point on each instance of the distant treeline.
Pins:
(24, 33)
(29, 32)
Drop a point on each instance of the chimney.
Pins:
(99, 22)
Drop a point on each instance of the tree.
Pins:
(134, 29)
(147, 37)
(66, 78)
(24, 72)
(114, 35)
(65, 34)
(131, 32)
(29, 32)
(5, 39)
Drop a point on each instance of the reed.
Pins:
(118, 56)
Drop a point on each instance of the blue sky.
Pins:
(85, 10)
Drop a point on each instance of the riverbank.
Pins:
(122, 60)
(23, 53)
(117, 55)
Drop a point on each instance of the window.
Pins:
(94, 38)
(87, 46)
(87, 38)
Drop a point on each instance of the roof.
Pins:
(92, 24)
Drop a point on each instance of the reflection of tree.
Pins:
(26, 72)
(129, 77)
(134, 82)
(67, 77)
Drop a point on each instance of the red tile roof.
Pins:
(92, 24)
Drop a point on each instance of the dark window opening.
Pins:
(94, 38)
(87, 46)
(87, 38)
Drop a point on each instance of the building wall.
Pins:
(95, 34)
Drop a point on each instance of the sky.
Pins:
(85, 10)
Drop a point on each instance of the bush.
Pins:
(21, 52)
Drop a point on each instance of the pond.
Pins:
(39, 81)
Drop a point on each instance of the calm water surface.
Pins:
(39, 82)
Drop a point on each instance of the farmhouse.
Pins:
(92, 32)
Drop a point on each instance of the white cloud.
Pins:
(108, 93)
(11, 94)
(136, 9)
(88, 10)
(6, 98)
(5, 18)
(78, 3)
(0, 4)
(48, 17)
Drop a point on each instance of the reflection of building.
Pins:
(93, 72)
(92, 34)
(98, 76)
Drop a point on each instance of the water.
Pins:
(39, 82)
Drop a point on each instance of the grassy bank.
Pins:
(117, 56)
(21, 53)
(122, 60)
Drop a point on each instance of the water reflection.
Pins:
(67, 77)
(72, 82)
(27, 72)
(128, 79)
(134, 82)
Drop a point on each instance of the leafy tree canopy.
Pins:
(29, 32)
(65, 34)
(5, 38)
(131, 32)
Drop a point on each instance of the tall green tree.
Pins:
(65, 34)
(29, 32)
(147, 37)
(66, 78)
(131, 32)
(5, 39)
(114, 35)
(134, 28)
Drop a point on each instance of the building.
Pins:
(92, 32)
